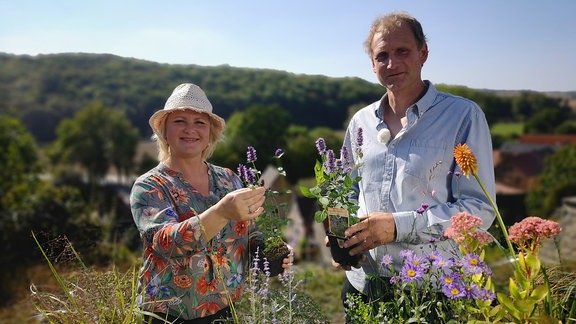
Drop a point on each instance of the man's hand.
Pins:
(373, 230)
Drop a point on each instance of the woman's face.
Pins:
(187, 133)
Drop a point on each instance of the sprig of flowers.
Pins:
(274, 218)
(469, 166)
(334, 180)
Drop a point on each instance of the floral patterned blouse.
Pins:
(179, 275)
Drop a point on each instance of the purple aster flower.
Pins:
(411, 272)
(251, 154)
(450, 279)
(321, 145)
(484, 294)
(457, 290)
(386, 260)
(442, 263)
(472, 264)
(406, 254)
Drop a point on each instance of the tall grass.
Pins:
(89, 295)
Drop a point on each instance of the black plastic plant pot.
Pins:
(341, 254)
(274, 256)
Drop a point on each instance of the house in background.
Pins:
(517, 166)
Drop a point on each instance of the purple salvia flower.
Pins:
(321, 145)
(251, 154)
(330, 163)
(250, 175)
(345, 158)
(359, 137)
(242, 172)
(278, 153)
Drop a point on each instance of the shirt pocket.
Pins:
(425, 158)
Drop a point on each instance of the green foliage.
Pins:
(302, 152)
(97, 138)
(19, 164)
(557, 180)
(45, 89)
(546, 121)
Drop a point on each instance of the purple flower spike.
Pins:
(251, 154)
(330, 164)
(250, 175)
(321, 145)
(359, 137)
(242, 172)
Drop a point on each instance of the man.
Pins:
(410, 185)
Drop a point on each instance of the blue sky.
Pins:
(488, 44)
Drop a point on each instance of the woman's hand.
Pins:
(242, 204)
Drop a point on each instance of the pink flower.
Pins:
(464, 231)
(462, 223)
(531, 231)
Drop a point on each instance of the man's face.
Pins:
(397, 60)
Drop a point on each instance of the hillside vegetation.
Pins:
(43, 90)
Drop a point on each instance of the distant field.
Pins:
(507, 129)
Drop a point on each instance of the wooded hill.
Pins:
(42, 90)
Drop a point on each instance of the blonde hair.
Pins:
(216, 135)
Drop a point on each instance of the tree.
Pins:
(97, 138)
(262, 127)
(19, 164)
(558, 180)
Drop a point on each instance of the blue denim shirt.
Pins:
(417, 166)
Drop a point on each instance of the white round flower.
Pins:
(384, 135)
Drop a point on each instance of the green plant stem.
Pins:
(499, 217)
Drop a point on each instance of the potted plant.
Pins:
(269, 253)
(336, 195)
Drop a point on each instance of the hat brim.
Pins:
(157, 118)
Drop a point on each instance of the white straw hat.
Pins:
(186, 96)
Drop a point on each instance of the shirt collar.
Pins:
(420, 107)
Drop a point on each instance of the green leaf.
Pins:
(539, 293)
(524, 306)
(320, 216)
(509, 305)
(306, 192)
(533, 262)
(513, 289)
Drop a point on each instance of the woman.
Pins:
(194, 218)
